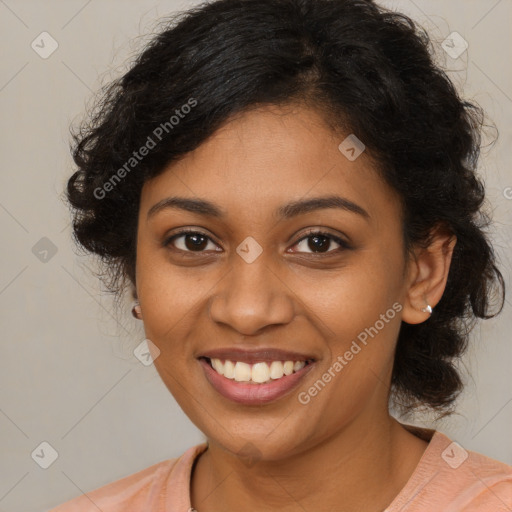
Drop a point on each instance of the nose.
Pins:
(252, 296)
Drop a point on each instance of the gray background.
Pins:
(68, 374)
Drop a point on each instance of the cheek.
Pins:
(359, 315)
(353, 298)
(169, 296)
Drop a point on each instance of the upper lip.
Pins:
(254, 356)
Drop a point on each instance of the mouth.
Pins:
(255, 378)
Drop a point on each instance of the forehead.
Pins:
(269, 156)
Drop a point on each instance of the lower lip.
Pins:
(253, 394)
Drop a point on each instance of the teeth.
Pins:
(229, 369)
(258, 372)
(288, 367)
(298, 365)
(217, 366)
(276, 370)
(242, 372)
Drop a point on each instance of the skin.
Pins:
(341, 451)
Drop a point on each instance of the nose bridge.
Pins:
(251, 295)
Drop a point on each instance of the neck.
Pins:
(363, 467)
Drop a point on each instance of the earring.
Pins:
(136, 310)
(426, 309)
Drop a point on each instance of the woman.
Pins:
(289, 189)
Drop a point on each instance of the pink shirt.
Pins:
(446, 479)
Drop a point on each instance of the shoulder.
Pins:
(454, 479)
(143, 490)
(135, 490)
(484, 484)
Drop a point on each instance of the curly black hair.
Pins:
(369, 71)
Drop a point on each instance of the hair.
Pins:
(368, 71)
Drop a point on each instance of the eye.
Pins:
(319, 242)
(188, 240)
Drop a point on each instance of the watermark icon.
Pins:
(454, 45)
(137, 156)
(507, 192)
(44, 45)
(304, 397)
(249, 454)
(44, 455)
(454, 455)
(351, 147)
(146, 352)
(44, 250)
(249, 249)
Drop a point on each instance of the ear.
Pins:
(427, 274)
(136, 310)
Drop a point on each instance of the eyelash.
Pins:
(343, 244)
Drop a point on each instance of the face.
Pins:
(259, 272)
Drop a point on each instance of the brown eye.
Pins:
(190, 241)
(319, 242)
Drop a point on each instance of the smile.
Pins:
(254, 383)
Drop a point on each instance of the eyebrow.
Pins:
(287, 211)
